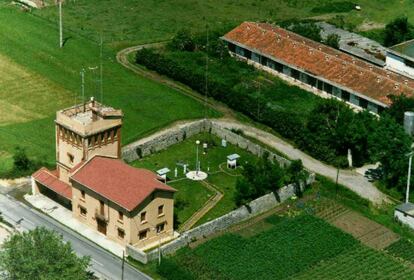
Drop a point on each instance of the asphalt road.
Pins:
(103, 263)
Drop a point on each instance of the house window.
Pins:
(263, 60)
(143, 234)
(232, 47)
(363, 103)
(354, 99)
(71, 158)
(327, 88)
(102, 207)
(83, 211)
(121, 233)
(83, 194)
(160, 210)
(295, 74)
(247, 54)
(160, 228)
(256, 57)
(120, 216)
(143, 217)
(345, 95)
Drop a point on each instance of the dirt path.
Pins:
(202, 211)
(350, 179)
(122, 58)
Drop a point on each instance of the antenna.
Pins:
(60, 25)
(83, 87)
(206, 76)
(101, 71)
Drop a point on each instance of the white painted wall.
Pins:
(396, 63)
(405, 219)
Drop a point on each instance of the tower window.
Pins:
(160, 209)
(71, 158)
(143, 217)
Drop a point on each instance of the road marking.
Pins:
(95, 261)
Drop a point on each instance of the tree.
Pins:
(297, 175)
(309, 30)
(333, 40)
(183, 41)
(389, 144)
(258, 179)
(400, 104)
(397, 31)
(41, 254)
(21, 161)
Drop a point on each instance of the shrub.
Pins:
(333, 40)
(397, 31)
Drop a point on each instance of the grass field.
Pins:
(303, 247)
(127, 22)
(37, 78)
(190, 197)
(194, 195)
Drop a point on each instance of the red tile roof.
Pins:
(117, 181)
(320, 60)
(50, 180)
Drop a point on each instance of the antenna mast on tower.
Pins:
(101, 71)
(60, 25)
(83, 87)
(206, 76)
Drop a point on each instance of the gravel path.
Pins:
(351, 179)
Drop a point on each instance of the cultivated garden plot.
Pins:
(192, 195)
(285, 247)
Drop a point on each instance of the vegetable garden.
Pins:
(301, 247)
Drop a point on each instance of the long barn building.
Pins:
(320, 67)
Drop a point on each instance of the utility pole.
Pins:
(407, 193)
(123, 263)
(60, 25)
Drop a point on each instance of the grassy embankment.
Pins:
(38, 78)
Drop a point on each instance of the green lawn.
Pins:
(38, 78)
(186, 202)
(194, 195)
(127, 22)
(303, 247)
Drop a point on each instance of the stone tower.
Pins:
(83, 131)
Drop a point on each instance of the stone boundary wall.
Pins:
(246, 144)
(150, 145)
(255, 207)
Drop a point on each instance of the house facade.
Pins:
(126, 204)
(319, 67)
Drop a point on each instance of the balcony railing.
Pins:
(101, 215)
